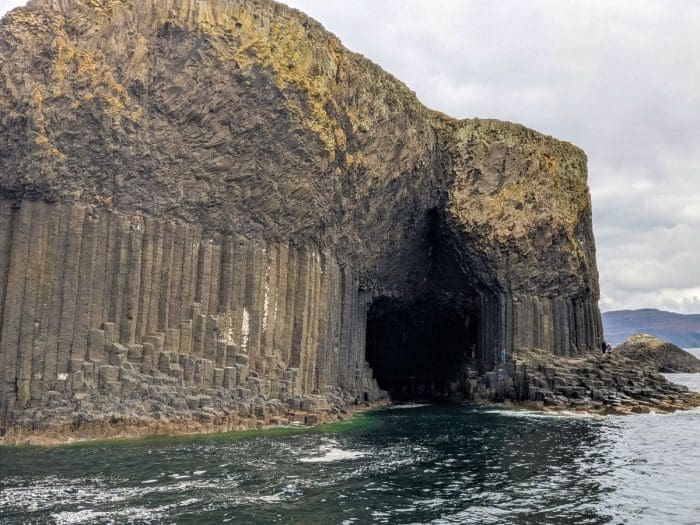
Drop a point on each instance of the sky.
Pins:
(619, 79)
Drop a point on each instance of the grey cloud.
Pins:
(6, 5)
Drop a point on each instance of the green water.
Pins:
(425, 464)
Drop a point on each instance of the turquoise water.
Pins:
(439, 464)
(414, 464)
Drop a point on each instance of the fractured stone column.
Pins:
(269, 308)
(14, 299)
(86, 280)
(290, 303)
(31, 308)
(166, 277)
(73, 243)
(154, 296)
(175, 315)
(41, 336)
(145, 289)
(62, 214)
(215, 278)
(300, 309)
(204, 275)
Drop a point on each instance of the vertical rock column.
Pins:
(75, 216)
(75, 282)
(14, 299)
(565, 326)
(44, 303)
(31, 306)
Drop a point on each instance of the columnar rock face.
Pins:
(98, 300)
(217, 197)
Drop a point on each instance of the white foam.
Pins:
(408, 405)
(81, 516)
(288, 492)
(334, 454)
(199, 472)
(153, 514)
(542, 415)
(271, 498)
(44, 493)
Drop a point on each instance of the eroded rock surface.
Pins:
(595, 383)
(662, 355)
(197, 190)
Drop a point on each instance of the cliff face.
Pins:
(218, 195)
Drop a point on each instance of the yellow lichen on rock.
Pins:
(26, 18)
(511, 181)
(284, 48)
(41, 140)
(93, 78)
(65, 55)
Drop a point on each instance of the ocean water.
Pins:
(404, 464)
(694, 351)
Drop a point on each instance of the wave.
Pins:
(331, 451)
(334, 455)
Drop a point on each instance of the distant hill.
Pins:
(681, 329)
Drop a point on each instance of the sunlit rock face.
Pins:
(218, 201)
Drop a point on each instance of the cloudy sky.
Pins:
(620, 79)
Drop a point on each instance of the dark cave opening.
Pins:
(420, 343)
(421, 350)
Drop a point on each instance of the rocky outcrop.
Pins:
(661, 355)
(216, 199)
(595, 383)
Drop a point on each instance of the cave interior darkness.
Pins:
(418, 350)
(420, 346)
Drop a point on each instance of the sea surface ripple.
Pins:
(421, 464)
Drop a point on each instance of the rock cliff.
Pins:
(212, 211)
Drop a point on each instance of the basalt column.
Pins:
(93, 291)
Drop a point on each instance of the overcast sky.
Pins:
(619, 79)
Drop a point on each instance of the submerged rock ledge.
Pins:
(212, 211)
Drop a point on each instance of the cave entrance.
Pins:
(421, 350)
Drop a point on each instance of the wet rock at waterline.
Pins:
(614, 384)
(213, 215)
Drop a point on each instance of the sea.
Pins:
(413, 463)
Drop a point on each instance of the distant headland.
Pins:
(680, 329)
